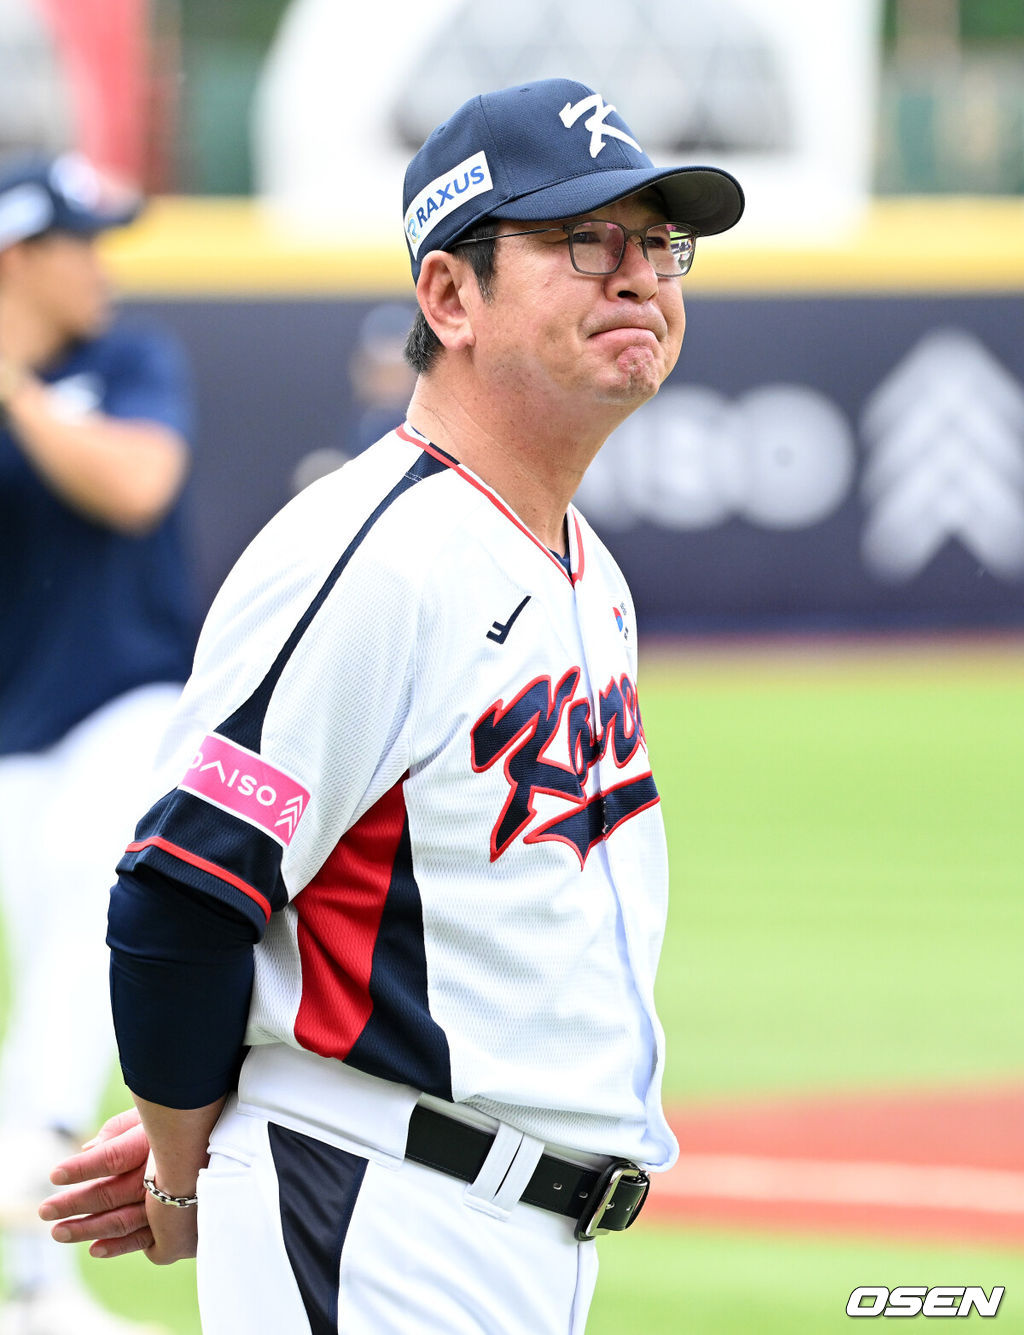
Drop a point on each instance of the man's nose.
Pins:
(635, 273)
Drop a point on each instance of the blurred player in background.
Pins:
(382, 384)
(383, 952)
(96, 635)
(382, 379)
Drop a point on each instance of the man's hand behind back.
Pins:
(104, 1201)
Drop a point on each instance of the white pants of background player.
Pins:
(422, 1252)
(66, 814)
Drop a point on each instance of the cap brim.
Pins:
(91, 224)
(706, 198)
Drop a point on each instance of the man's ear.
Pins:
(10, 258)
(447, 292)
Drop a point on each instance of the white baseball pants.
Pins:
(302, 1236)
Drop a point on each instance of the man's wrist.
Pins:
(182, 1202)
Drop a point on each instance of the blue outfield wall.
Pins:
(835, 462)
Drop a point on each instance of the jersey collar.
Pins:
(408, 433)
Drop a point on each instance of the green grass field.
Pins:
(847, 852)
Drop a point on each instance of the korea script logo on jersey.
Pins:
(238, 780)
(548, 744)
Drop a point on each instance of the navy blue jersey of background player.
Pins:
(87, 613)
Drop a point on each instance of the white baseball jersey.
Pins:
(411, 749)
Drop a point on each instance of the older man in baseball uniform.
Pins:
(383, 955)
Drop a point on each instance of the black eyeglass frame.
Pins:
(569, 228)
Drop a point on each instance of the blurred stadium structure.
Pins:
(728, 82)
(842, 444)
(165, 89)
(951, 110)
(88, 74)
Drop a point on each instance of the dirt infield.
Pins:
(948, 1165)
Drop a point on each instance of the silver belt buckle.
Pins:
(619, 1170)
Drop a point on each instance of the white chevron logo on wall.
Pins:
(946, 436)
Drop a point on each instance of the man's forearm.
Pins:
(120, 473)
(181, 979)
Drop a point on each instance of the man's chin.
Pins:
(637, 377)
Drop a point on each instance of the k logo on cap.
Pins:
(570, 114)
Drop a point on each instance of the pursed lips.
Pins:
(627, 327)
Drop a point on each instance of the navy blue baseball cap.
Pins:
(60, 194)
(549, 149)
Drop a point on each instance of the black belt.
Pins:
(597, 1198)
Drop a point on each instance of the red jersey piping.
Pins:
(155, 841)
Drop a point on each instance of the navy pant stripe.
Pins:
(318, 1186)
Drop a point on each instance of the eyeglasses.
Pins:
(597, 247)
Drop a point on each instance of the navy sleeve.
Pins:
(181, 973)
(149, 378)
